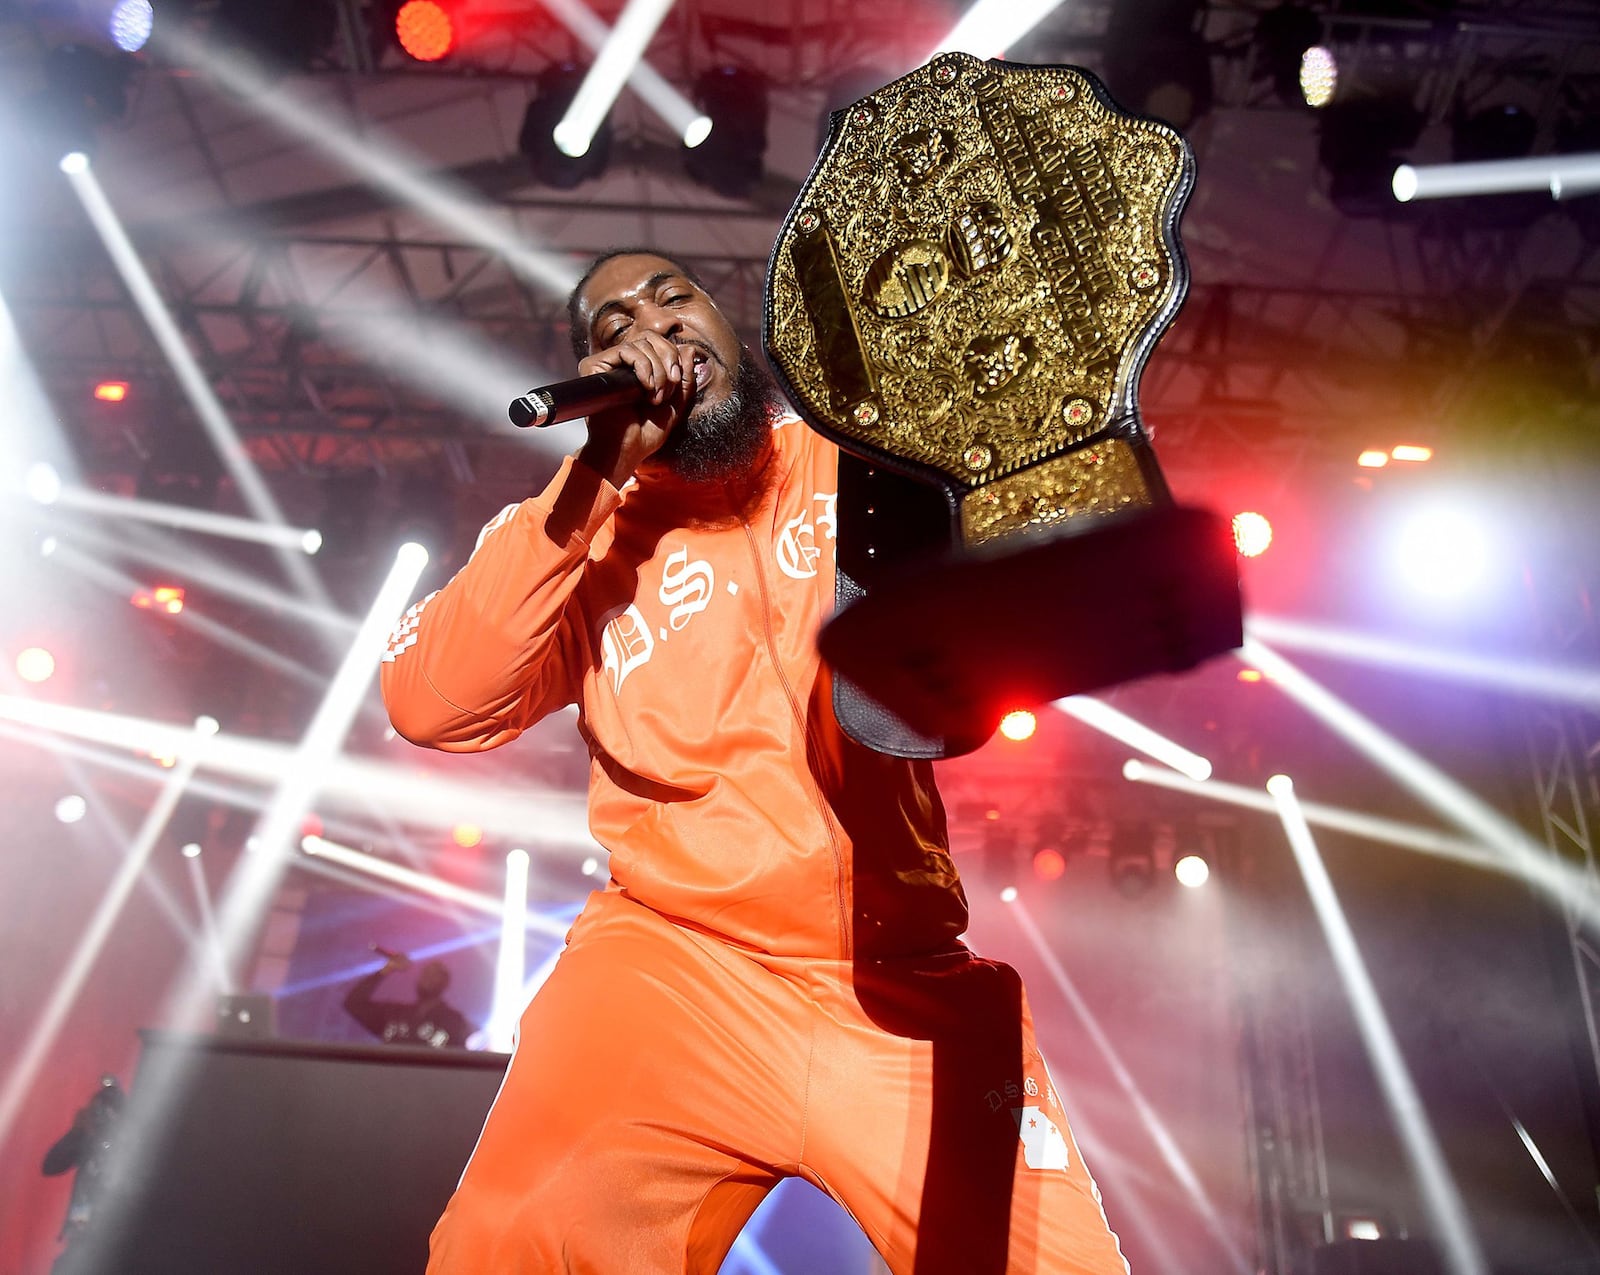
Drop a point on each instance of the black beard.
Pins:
(727, 438)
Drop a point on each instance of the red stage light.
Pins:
(1252, 533)
(1048, 864)
(1019, 724)
(424, 30)
(164, 597)
(111, 391)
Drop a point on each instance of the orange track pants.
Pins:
(664, 1081)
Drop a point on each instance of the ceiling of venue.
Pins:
(306, 283)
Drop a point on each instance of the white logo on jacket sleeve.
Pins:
(796, 550)
(625, 644)
(685, 587)
(1043, 1147)
(404, 636)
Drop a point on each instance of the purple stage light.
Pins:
(131, 24)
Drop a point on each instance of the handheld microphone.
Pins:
(581, 396)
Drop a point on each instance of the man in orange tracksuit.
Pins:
(772, 983)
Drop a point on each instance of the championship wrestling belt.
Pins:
(963, 297)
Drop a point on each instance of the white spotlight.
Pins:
(1562, 175)
(635, 26)
(590, 866)
(612, 44)
(511, 964)
(35, 664)
(74, 163)
(190, 850)
(696, 131)
(1121, 727)
(1443, 552)
(1009, 894)
(571, 141)
(48, 546)
(43, 483)
(132, 21)
(992, 26)
(1319, 75)
(206, 725)
(1192, 871)
(311, 541)
(71, 808)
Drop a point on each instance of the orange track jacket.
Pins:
(682, 619)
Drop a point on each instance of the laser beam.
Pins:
(1440, 1197)
(1569, 683)
(991, 27)
(1171, 1154)
(1124, 729)
(41, 1041)
(196, 387)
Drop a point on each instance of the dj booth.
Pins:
(278, 1157)
(287, 1157)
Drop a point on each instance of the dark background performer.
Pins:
(428, 1019)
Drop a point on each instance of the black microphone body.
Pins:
(581, 396)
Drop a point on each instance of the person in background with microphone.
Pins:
(428, 1020)
(772, 984)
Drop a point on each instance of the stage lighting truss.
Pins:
(286, 35)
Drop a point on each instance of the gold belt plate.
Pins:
(970, 281)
